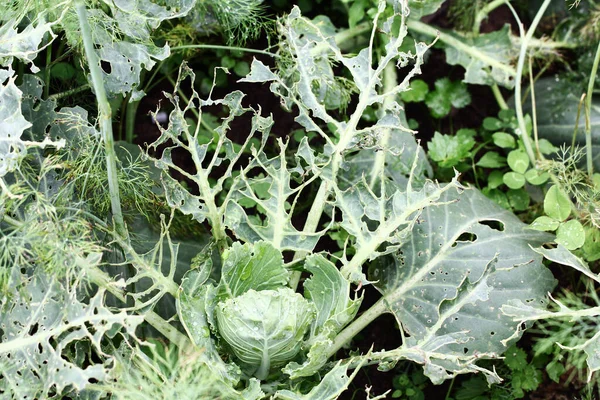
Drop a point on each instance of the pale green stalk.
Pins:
(534, 111)
(104, 120)
(576, 127)
(130, 114)
(498, 96)
(220, 47)
(390, 80)
(360, 323)
(69, 93)
(47, 72)
(518, 99)
(588, 110)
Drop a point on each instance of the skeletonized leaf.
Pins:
(23, 45)
(523, 312)
(563, 256)
(402, 149)
(381, 223)
(40, 323)
(12, 123)
(276, 205)
(122, 40)
(208, 156)
(330, 387)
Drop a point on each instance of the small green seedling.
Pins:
(557, 207)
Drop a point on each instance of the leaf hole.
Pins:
(467, 237)
(493, 224)
(106, 67)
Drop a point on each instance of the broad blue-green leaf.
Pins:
(557, 103)
(422, 8)
(257, 266)
(380, 223)
(446, 284)
(40, 322)
(495, 47)
(264, 329)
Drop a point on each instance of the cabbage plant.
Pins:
(265, 306)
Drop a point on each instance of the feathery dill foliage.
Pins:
(42, 228)
(85, 172)
(462, 13)
(163, 373)
(569, 332)
(590, 31)
(576, 183)
(238, 20)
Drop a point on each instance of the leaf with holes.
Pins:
(40, 325)
(381, 223)
(23, 45)
(491, 49)
(446, 285)
(122, 40)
